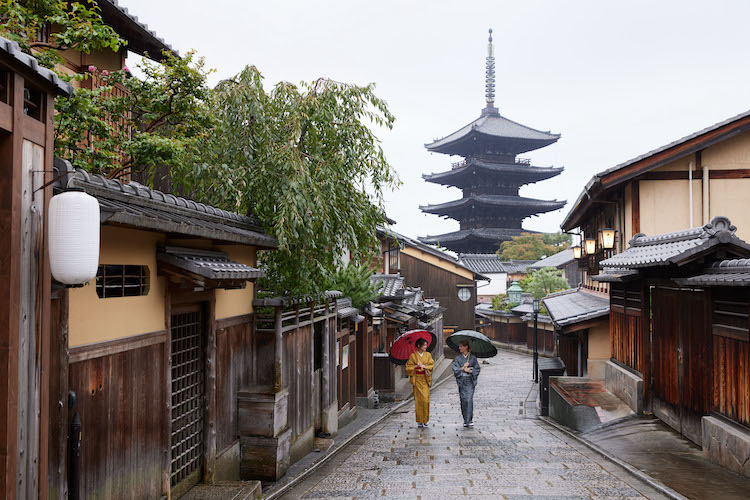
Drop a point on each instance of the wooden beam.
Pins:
(583, 325)
(166, 437)
(739, 173)
(209, 425)
(635, 207)
(6, 117)
(110, 347)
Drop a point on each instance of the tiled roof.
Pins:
(393, 285)
(614, 275)
(735, 272)
(491, 263)
(574, 306)
(486, 233)
(328, 295)
(344, 308)
(140, 37)
(208, 264)
(509, 202)
(495, 126)
(519, 170)
(558, 260)
(672, 248)
(138, 206)
(13, 51)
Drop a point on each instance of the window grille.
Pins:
(121, 281)
(730, 319)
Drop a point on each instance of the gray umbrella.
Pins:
(481, 346)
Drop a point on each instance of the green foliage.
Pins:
(527, 246)
(559, 239)
(545, 281)
(72, 25)
(354, 281)
(164, 119)
(500, 303)
(306, 162)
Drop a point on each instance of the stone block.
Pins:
(261, 412)
(625, 385)
(265, 458)
(367, 401)
(330, 419)
(726, 444)
(228, 464)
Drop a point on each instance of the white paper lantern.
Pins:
(74, 226)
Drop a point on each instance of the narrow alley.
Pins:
(509, 454)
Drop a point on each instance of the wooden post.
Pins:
(209, 425)
(167, 422)
(326, 363)
(278, 351)
(635, 207)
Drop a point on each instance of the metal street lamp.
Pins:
(536, 341)
(608, 238)
(514, 293)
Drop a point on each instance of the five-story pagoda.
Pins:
(491, 211)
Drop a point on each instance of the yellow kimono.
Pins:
(421, 383)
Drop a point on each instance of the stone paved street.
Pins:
(507, 455)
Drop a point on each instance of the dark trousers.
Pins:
(466, 393)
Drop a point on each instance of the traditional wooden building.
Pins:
(563, 261)
(437, 274)
(491, 210)
(501, 274)
(688, 289)
(27, 104)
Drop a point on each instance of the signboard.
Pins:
(345, 357)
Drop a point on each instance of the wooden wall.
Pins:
(234, 369)
(546, 338)
(346, 378)
(365, 348)
(298, 378)
(122, 397)
(628, 344)
(442, 285)
(503, 331)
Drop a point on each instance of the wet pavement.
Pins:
(653, 447)
(509, 454)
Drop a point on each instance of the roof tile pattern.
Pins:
(558, 260)
(208, 264)
(491, 263)
(12, 50)
(734, 272)
(574, 306)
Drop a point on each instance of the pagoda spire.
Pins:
(489, 84)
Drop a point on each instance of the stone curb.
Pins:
(276, 493)
(657, 485)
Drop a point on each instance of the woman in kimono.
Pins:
(466, 370)
(419, 368)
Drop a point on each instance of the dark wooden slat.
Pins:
(110, 347)
(635, 204)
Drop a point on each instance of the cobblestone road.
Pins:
(507, 455)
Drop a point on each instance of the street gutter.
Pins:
(272, 493)
(637, 473)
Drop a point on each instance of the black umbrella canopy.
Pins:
(481, 346)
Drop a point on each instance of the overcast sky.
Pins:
(616, 79)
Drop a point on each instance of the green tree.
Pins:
(545, 281)
(527, 246)
(354, 281)
(70, 26)
(500, 303)
(306, 162)
(559, 239)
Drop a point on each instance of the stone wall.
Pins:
(625, 385)
(726, 444)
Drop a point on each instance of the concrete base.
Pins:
(726, 444)
(265, 458)
(346, 415)
(367, 401)
(578, 417)
(583, 404)
(597, 369)
(228, 464)
(303, 445)
(625, 385)
(330, 419)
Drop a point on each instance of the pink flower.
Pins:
(92, 69)
(105, 73)
(125, 69)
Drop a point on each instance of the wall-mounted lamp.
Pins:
(608, 238)
(590, 246)
(74, 225)
(576, 251)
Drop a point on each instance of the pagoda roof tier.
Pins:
(469, 172)
(492, 131)
(518, 204)
(484, 240)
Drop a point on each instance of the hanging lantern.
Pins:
(608, 238)
(590, 246)
(514, 293)
(576, 251)
(74, 225)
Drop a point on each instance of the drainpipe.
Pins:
(690, 192)
(705, 194)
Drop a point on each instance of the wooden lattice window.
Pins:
(114, 280)
(33, 105)
(730, 319)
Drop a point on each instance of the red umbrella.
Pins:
(404, 345)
